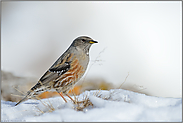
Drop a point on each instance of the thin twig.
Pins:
(124, 81)
(96, 59)
(40, 110)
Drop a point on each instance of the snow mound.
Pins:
(112, 105)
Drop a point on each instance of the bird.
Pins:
(66, 71)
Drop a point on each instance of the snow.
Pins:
(112, 105)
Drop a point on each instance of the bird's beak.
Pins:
(91, 42)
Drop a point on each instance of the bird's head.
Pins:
(83, 42)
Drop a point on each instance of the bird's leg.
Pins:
(70, 97)
(63, 97)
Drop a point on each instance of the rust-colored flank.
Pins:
(73, 74)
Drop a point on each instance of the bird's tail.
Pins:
(28, 93)
(31, 92)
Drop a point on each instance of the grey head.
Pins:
(83, 43)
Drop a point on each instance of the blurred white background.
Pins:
(139, 38)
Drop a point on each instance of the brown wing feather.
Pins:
(54, 72)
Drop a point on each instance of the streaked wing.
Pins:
(57, 69)
(61, 69)
(55, 72)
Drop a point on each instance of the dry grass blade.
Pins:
(80, 105)
(107, 97)
(17, 95)
(97, 93)
(124, 81)
(40, 110)
(19, 91)
(83, 104)
(49, 106)
(86, 101)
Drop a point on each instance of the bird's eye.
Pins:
(83, 40)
